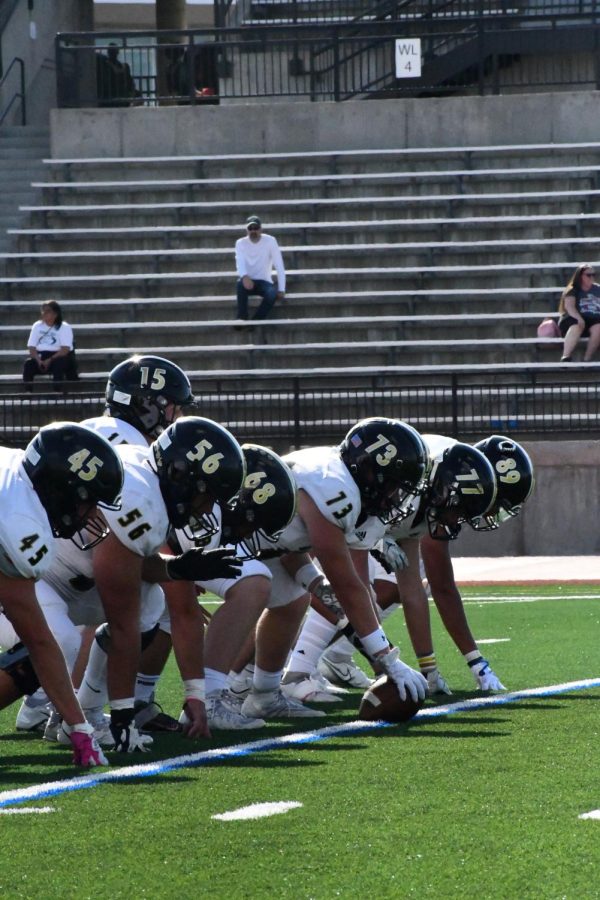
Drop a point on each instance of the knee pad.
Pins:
(16, 663)
(103, 636)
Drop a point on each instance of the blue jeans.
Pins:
(264, 289)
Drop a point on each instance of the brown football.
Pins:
(382, 701)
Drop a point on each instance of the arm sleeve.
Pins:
(240, 259)
(279, 267)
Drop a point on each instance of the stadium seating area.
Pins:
(419, 258)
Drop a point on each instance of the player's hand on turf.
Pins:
(202, 565)
(127, 738)
(406, 679)
(193, 719)
(436, 683)
(485, 677)
(86, 750)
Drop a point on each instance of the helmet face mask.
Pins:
(463, 489)
(389, 462)
(198, 463)
(514, 476)
(74, 471)
(264, 506)
(149, 392)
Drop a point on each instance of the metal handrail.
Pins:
(18, 95)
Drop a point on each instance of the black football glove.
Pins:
(202, 565)
(127, 737)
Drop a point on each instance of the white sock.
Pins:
(215, 681)
(314, 637)
(265, 681)
(241, 681)
(145, 687)
(93, 692)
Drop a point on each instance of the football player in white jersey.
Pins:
(379, 465)
(262, 509)
(53, 490)
(513, 473)
(173, 483)
(144, 394)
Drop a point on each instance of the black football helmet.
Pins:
(389, 462)
(73, 469)
(462, 489)
(514, 478)
(197, 460)
(265, 505)
(140, 389)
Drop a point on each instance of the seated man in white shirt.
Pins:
(50, 345)
(256, 255)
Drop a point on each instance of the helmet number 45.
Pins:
(84, 464)
(385, 458)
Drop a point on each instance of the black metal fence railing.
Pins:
(480, 54)
(294, 413)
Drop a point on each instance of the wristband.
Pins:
(375, 642)
(307, 574)
(194, 689)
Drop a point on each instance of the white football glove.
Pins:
(406, 679)
(485, 678)
(394, 555)
(436, 683)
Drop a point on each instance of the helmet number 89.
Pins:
(84, 464)
(260, 492)
(384, 458)
(507, 471)
(210, 463)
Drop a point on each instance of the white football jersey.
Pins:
(27, 545)
(116, 431)
(142, 523)
(321, 473)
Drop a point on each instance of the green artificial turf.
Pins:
(477, 802)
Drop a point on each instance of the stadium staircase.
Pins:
(401, 264)
(22, 149)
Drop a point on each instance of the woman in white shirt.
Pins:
(50, 345)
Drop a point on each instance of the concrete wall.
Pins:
(284, 127)
(561, 516)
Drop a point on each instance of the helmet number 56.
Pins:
(210, 463)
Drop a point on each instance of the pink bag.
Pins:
(548, 329)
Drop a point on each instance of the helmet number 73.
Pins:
(385, 458)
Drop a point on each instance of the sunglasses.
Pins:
(589, 274)
(253, 227)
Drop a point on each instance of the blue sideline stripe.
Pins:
(52, 789)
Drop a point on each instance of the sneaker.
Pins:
(344, 673)
(222, 714)
(275, 705)
(52, 727)
(32, 718)
(313, 688)
(150, 717)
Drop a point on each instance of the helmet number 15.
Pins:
(158, 378)
(210, 463)
(85, 464)
(384, 458)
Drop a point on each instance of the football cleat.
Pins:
(223, 714)
(52, 728)
(32, 718)
(313, 688)
(275, 705)
(150, 717)
(345, 673)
